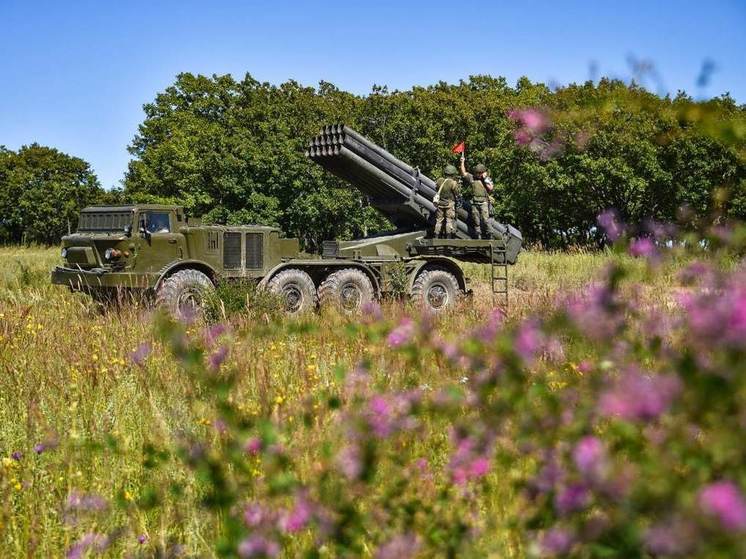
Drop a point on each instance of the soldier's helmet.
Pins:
(480, 168)
(450, 171)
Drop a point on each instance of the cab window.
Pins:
(158, 222)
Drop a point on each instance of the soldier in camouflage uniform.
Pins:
(445, 203)
(480, 186)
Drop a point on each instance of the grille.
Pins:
(254, 253)
(330, 249)
(90, 221)
(232, 250)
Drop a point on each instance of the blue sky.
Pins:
(75, 74)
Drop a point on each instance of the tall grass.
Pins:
(78, 414)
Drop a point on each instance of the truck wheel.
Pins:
(348, 290)
(296, 289)
(184, 293)
(436, 290)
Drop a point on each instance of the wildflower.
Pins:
(216, 358)
(142, 538)
(643, 247)
(95, 542)
(371, 311)
(611, 224)
(589, 456)
(258, 546)
(725, 501)
(572, 498)
(253, 446)
(85, 502)
(140, 354)
(298, 517)
(380, 417)
(399, 547)
(528, 340)
(638, 397)
(255, 515)
(350, 462)
(674, 537)
(17, 455)
(402, 334)
(43, 446)
(556, 541)
(214, 332)
(471, 458)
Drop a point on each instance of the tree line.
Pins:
(233, 151)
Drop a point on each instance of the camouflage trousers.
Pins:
(445, 211)
(480, 213)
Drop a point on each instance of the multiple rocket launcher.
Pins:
(394, 188)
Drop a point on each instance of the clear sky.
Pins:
(75, 74)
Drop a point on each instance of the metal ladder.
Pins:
(499, 277)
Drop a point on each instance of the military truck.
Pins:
(159, 251)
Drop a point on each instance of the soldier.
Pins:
(480, 186)
(445, 202)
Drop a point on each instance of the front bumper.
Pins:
(96, 278)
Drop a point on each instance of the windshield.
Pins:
(157, 222)
(104, 221)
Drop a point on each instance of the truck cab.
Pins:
(141, 246)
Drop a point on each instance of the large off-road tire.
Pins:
(436, 290)
(348, 290)
(184, 294)
(296, 289)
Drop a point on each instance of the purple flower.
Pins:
(297, 518)
(254, 515)
(49, 444)
(253, 446)
(97, 543)
(380, 416)
(556, 541)
(402, 546)
(141, 354)
(350, 462)
(258, 546)
(85, 502)
(371, 311)
(217, 358)
(528, 340)
(572, 498)
(639, 397)
(470, 460)
(673, 537)
(589, 456)
(214, 332)
(17, 455)
(402, 334)
(643, 247)
(725, 501)
(142, 538)
(610, 223)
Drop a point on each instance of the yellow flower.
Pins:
(127, 495)
(279, 400)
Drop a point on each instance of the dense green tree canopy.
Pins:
(233, 150)
(41, 192)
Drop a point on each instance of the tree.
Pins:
(233, 151)
(41, 193)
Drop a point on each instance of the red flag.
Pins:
(458, 148)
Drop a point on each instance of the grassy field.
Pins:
(68, 383)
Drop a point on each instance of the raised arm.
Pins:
(463, 165)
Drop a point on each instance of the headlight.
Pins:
(63, 253)
(112, 253)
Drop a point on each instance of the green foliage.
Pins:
(234, 150)
(41, 193)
